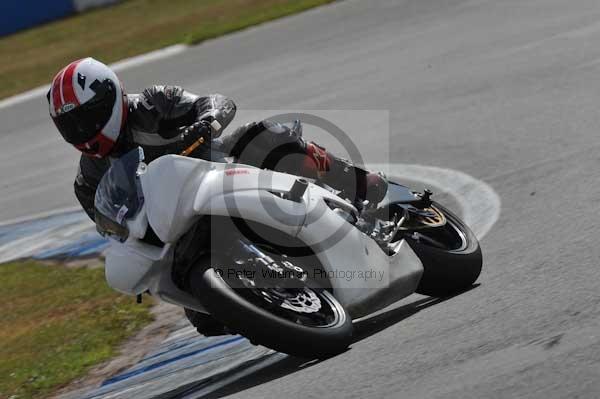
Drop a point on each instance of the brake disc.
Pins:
(305, 301)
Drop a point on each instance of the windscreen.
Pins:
(119, 196)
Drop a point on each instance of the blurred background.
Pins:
(67, 30)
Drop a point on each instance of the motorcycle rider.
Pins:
(94, 114)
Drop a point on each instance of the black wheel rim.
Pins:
(304, 305)
(449, 237)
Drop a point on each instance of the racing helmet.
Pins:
(88, 106)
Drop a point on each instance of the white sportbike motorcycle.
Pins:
(285, 262)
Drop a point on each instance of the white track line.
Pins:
(41, 215)
(30, 245)
(148, 57)
(480, 204)
(117, 67)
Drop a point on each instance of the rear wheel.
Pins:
(304, 321)
(450, 254)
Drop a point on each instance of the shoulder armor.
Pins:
(163, 98)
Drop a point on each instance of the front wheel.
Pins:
(305, 321)
(450, 254)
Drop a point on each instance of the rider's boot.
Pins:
(274, 146)
(356, 183)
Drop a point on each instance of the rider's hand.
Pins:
(207, 127)
(197, 130)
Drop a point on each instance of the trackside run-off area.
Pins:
(30, 58)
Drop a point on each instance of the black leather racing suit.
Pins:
(155, 121)
(157, 117)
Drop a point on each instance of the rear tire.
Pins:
(448, 271)
(263, 327)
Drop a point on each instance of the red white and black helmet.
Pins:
(88, 106)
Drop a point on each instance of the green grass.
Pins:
(56, 323)
(31, 58)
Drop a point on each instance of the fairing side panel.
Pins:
(251, 194)
(168, 203)
(135, 267)
(179, 190)
(128, 266)
(346, 254)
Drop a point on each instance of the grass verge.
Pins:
(31, 58)
(56, 323)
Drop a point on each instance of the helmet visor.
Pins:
(82, 123)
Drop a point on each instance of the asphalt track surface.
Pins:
(505, 91)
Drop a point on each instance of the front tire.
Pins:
(266, 328)
(451, 269)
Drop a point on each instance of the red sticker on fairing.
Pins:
(231, 172)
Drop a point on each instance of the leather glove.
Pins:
(194, 136)
(211, 124)
(197, 130)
